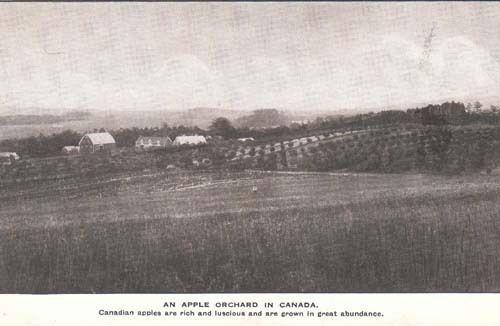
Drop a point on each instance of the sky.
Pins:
(246, 56)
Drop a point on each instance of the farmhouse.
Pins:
(7, 158)
(101, 142)
(189, 140)
(71, 150)
(146, 143)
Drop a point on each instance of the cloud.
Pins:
(185, 81)
(465, 69)
(389, 71)
(382, 71)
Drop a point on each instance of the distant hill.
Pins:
(31, 119)
(264, 118)
(33, 125)
(202, 116)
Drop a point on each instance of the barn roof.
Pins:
(190, 139)
(100, 138)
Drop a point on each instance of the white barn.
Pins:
(190, 140)
(97, 143)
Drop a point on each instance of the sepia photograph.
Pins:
(247, 147)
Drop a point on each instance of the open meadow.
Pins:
(185, 231)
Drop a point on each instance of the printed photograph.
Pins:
(247, 147)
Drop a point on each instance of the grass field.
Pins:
(208, 232)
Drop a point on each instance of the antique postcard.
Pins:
(250, 162)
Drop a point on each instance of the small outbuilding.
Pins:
(7, 158)
(246, 139)
(71, 150)
(101, 142)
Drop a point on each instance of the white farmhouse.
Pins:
(144, 142)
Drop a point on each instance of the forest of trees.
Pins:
(448, 113)
(41, 146)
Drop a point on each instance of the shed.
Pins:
(71, 150)
(7, 158)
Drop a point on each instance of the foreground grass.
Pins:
(314, 233)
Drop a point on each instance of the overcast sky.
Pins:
(322, 56)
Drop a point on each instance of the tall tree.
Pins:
(477, 106)
(222, 127)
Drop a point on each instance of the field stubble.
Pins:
(208, 232)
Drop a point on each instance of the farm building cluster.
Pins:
(103, 142)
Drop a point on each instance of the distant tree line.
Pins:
(41, 146)
(448, 113)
